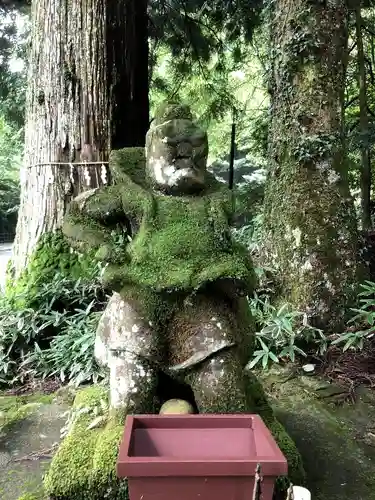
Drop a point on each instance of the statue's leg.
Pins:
(133, 384)
(219, 384)
(204, 349)
(127, 343)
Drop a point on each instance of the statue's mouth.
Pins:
(184, 162)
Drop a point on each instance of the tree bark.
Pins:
(364, 127)
(311, 237)
(87, 93)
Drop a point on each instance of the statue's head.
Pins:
(176, 151)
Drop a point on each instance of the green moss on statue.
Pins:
(182, 242)
(53, 255)
(84, 466)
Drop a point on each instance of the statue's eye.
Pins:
(198, 139)
(196, 142)
(170, 142)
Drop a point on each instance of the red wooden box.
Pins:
(198, 457)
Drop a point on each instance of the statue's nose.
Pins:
(184, 149)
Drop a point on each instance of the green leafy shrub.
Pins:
(11, 148)
(55, 338)
(281, 332)
(70, 355)
(362, 324)
(250, 234)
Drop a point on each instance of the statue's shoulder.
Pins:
(81, 199)
(128, 165)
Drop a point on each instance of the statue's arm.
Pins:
(134, 199)
(91, 217)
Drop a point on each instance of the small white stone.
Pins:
(297, 236)
(308, 368)
(300, 493)
(307, 266)
(333, 177)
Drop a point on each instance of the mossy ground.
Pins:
(84, 466)
(30, 496)
(16, 408)
(29, 427)
(335, 441)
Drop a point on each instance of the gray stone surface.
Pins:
(336, 439)
(22, 447)
(5, 255)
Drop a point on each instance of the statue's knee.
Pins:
(219, 372)
(123, 328)
(133, 383)
(219, 386)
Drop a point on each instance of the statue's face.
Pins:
(176, 154)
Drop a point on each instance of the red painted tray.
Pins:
(205, 457)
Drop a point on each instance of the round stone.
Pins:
(176, 407)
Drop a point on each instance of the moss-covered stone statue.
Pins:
(178, 315)
(180, 280)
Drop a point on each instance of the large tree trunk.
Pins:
(364, 126)
(87, 93)
(311, 230)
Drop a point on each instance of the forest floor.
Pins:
(349, 368)
(333, 428)
(29, 434)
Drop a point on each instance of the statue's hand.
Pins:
(114, 277)
(111, 254)
(104, 253)
(232, 287)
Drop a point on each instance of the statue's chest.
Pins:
(183, 227)
(173, 211)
